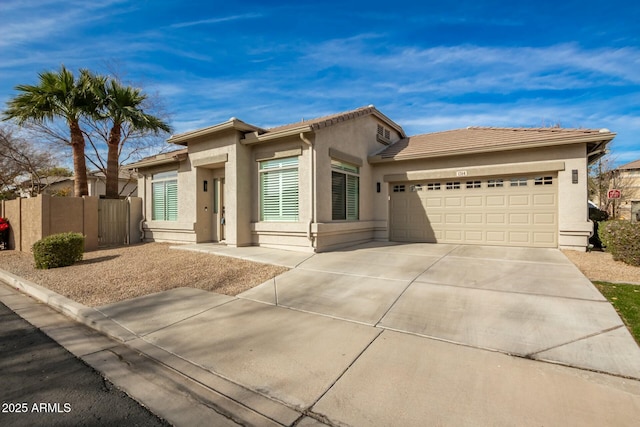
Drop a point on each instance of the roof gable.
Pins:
(318, 123)
(325, 121)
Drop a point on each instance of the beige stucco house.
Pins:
(354, 177)
(627, 179)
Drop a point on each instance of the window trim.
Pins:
(452, 185)
(351, 208)
(518, 182)
(280, 173)
(164, 179)
(543, 180)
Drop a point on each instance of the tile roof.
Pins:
(483, 139)
(321, 122)
(631, 165)
(161, 158)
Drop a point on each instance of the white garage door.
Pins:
(508, 211)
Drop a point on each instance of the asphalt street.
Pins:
(42, 384)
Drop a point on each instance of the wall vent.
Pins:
(383, 135)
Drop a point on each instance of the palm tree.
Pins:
(58, 95)
(122, 106)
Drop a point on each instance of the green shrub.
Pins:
(622, 240)
(58, 250)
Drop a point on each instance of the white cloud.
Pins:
(216, 20)
(468, 68)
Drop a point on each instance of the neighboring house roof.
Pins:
(631, 165)
(92, 175)
(490, 139)
(159, 159)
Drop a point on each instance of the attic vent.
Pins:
(383, 135)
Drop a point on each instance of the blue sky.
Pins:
(428, 65)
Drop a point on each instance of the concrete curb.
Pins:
(173, 388)
(76, 311)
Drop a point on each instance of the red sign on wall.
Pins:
(613, 194)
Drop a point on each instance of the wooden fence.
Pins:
(31, 219)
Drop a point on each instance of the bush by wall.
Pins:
(622, 240)
(58, 250)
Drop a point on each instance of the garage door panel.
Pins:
(473, 201)
(473, 236)
(518, 215)
(519, 200)
(540, 239)
(496, 218)
(544, 199)
(454, 236)
(544, 218)
(496, 237)
(436, 219)
(473, 218)
(433, 202)
(453, 218)
(519, 237)
(496, 201)
(522, 218)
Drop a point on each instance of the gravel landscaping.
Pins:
(111, 275)
(600, 266)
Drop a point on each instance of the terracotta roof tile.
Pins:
(477, 139)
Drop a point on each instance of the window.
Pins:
(164, 196)
(345, 189)
(518, 182)
(453, 185)
(433, 186)
(416, 187)
(495, 183)
(279, 189)
(543, 180)
(398, 188)
(474, 184)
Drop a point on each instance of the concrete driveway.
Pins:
(399, 334)
(527, 302)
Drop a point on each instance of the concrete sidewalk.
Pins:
(345, 354)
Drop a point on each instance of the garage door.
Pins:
(508, 211)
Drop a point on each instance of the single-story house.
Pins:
(353, 177)
(96, 184)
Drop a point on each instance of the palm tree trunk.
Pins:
(112, 162)
(80, 187)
